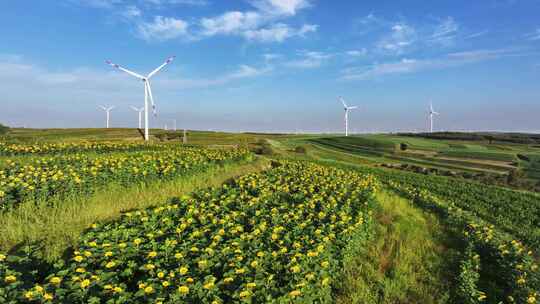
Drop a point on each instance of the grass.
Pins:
(20, 135)
(58, 227)
(408, 259)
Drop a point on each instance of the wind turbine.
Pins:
(140, 110)
(347, 109)
(108, 110)
(431, 113)
(147, 90)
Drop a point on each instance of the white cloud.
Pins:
(162, 28)
(179, 2)
(255, 25)
(406, 65)
(534, 35)
(262, 23)
(271, 57)
(280, 7)
(357, 53)
(131, 12)
(307, 28)
(245, 71)
(231, 23)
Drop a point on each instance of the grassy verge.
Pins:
(57, 227)
(407, 261)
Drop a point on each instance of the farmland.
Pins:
(254, 218)
(478, 159)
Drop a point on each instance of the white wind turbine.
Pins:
(108, 110)
(147, 90)
(347, 109)
(140, 110)
(431, 113)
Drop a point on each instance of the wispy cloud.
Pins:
(445, 32)
(97, 83)
(408, 65)
(99, 3)
(278, 32)
(309, 60)
(401, 37)
(534, 35)
(477, 34)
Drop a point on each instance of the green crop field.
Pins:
(100, 216)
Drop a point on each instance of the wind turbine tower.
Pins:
(140, 110)
(431, 114)
(347, 109)
(147, 90)
(108, 110)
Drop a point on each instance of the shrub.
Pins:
(403, 146)
(3, 129)
(300, 149)
(523, 157)
(267, 150)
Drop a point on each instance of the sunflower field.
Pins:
(42, 178)
(277, 236)
(13, 149)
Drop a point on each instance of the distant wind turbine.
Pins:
(140, 110)
(431, 113)
(108, 110)
(147, 90)
(347, 109)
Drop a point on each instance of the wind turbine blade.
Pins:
(104, 109)
(111, 107)
(343, 101)
(169, 60)
(124, 69)
(151, 97)
(134, 109)
(353, 107)
(436, 113)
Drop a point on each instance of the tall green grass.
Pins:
(407, 261)
(56, 227)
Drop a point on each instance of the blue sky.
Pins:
(274, 65)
